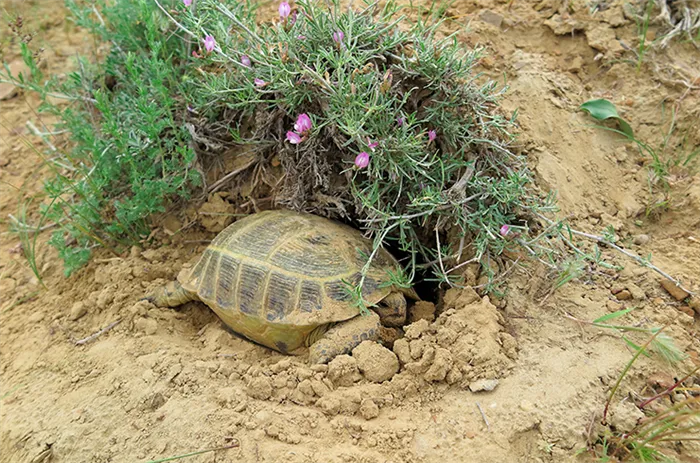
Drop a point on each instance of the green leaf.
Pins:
(603, 109)
(636, 347)
(617, 314)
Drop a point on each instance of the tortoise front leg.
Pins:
(170, 295)
(344, 337)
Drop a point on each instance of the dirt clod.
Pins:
(483, 385)
(260, 388)
(376, 362)
(421, 310)
(78, 310)
(343, 371)
(369, 409)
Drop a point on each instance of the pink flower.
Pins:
(371, 145)
(293, 138)
(400, 121)
(301, 37)
(187, 2)
(338, 36)
(362, 160)
(505, 229)
(431, 136)
(259, 82)
(284, 10)
(303, 124)
(245, 61)
(209, 43)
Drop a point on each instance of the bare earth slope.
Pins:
(163, 383)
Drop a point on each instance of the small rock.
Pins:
(421, 310)
(483, 385)
(36, 317)
(376, 362)
(636, 292)
(7, 90)
(623, 295)
(77, 311)
(260, 388)
(660, 381)
(694, 304)
(368, 409)
(526, 406)
(687, 310)
(492, 18)
(576, 65)
(617, 289)
(641, 240)
(678, 293)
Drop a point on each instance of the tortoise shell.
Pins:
(277, 275)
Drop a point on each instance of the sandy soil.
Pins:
(163, 383)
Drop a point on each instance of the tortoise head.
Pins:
(392, 309)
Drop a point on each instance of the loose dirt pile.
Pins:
(473, 378)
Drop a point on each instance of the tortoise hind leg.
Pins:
(344, 337)
(170, 295)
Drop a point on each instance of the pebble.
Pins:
(636, 291)
(7, 90)
(483, 385)
(623, 295)
(694, 304)
(677, 293)
(77, 311)
(526, 406)
(492, 18)
(687, 310)
(641, 240)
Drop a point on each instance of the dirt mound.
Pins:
(476, 378)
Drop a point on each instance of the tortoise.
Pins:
(279, 278)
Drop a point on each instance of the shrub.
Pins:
(376, 121)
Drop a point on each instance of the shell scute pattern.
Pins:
(280, 296)
(285, 268)
(251, 288)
